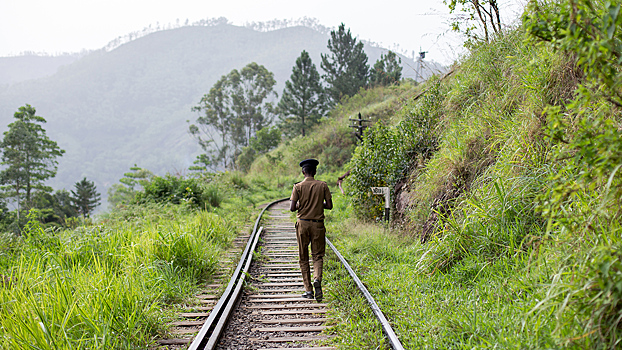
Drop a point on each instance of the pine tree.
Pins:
(346, 67)
(387, 70)
(85, 197)
(302, 103)
(29, 157)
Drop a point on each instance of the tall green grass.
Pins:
(523, 242)
(106, 286)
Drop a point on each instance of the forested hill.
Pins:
(111, 110)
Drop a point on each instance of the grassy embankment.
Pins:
(493, 271)
(485, 252)
(116, 283)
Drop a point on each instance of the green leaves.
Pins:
(232, 112)
(85, 197)
(610, 20)
(582, 201)
(303, 102)
(346, 66)
(387, 70)
(387, 153)
(590, 32)
(29, 156)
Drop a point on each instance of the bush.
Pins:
(388, 153)
(176, 190)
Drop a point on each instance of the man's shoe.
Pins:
(308, 295)
(317, 285)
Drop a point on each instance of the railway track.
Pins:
(261, 307)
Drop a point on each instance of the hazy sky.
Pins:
(56, 26)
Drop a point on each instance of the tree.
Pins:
(484, 13)
(213, 130)
(387, 70)
(250, 87)
(265, 140)
(29, 157)
(346, 67)
(233, 111)
(303, 102)
(54, 208)
(126, 190)
(85, 197)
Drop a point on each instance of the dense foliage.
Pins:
(387, 70)
(176, 190)
(509, 229)
(232, 113)
(388, 154)
(85, 197)
(29, 157)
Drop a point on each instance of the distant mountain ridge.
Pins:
(111, 110)
(29, 66)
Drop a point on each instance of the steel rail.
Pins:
(386, 327)
(214, 325)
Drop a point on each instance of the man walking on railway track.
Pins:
(310, 197)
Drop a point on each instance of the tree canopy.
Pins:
(29, 157)
(303, 101)
(85, 197)
(233, 111)
(346, 66)
(387, 70)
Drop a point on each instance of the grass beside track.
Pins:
(105, 286)
(507, 302)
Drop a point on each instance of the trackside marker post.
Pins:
(383, 191)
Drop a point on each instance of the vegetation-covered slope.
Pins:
(506, 203)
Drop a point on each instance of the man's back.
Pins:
(311, 194)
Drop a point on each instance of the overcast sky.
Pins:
(57, 26)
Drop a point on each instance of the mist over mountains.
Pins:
(112, 109)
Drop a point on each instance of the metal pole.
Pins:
(387, 200)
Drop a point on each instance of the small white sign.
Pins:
(382, 191)
(377, 190)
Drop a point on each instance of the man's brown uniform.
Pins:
(311, 194)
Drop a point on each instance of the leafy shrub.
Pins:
(387, 153)
(212, 195)
(176, 190)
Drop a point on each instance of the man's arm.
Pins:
(328, 198)
(328, 204)
(293, 205)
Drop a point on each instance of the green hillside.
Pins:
(505, 190)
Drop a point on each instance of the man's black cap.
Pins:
(310, 162)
